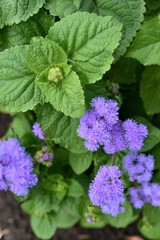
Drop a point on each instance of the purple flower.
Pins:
(134, 134)
(117, 141)
(37, 131)
(146, 193)
(16, 168)
(107, 109)
(51, 155)
(106, 190)
(115, 90)
(139, 167)
(102, 127)
(45, 156)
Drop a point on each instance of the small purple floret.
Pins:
(106, 190)
(37, 131)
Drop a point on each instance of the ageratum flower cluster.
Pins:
(101, 126)
(145, 193)
(106, 190)
(139, 167)
(16, 168)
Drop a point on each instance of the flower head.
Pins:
(134, 134)
(139, 166)
(146, 193)
(37, 131)
(16, 168)
(106, 190)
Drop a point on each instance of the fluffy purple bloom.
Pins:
(45, 156)
(134, 134)
(16, 168)
(37, 131)
(117, 141)
(139, 166)
(106, 190)
(107, 109)
(146, 193)
(102, 127)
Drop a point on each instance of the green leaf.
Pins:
(75, 189)
(21, 34)
(66, 95)
(68, 214)
(150, 89)
(93, 90)
(89, 43)
(156, 153)
(18, 88)
(123, 68)
(18, 10)
(80, 162)
(62, 8)
(123, 219)
(153, 137)
(44, 226)
(146, 46)
(43, 53)
(128, 12)
(60, 128)
(42, 201)
(149, 225)
(21, 125)
(28, 207)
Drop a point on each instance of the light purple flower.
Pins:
(16, 168)
(139, 166)
(106, 190)
(146, 193)
(134, 134)
(37, 131)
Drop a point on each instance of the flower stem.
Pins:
(113, 159)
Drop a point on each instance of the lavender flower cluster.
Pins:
(140, 168)
(101, 126)
(16, 168)
(106, 190)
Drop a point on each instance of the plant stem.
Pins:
(113, 159)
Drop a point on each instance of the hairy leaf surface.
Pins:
(60, 128)
(18, 10)
(18, 88)
(89, 42)
(146, 46)
(21, 34)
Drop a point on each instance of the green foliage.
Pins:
(88, 59)
(60, 128)
(80, 162)
(150, 86)
(146, 45)
(18, 10)
(123, 11)
(153, 137)
(62, 8)
(44, 226)
(149, 225)
(43, 53)
(18, 88)
(123, 219)
(22, 33)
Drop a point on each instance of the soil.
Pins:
(15, 225)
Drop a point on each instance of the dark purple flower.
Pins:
(37, 131)
(106, 190)
(16, 168)
(139, 167)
